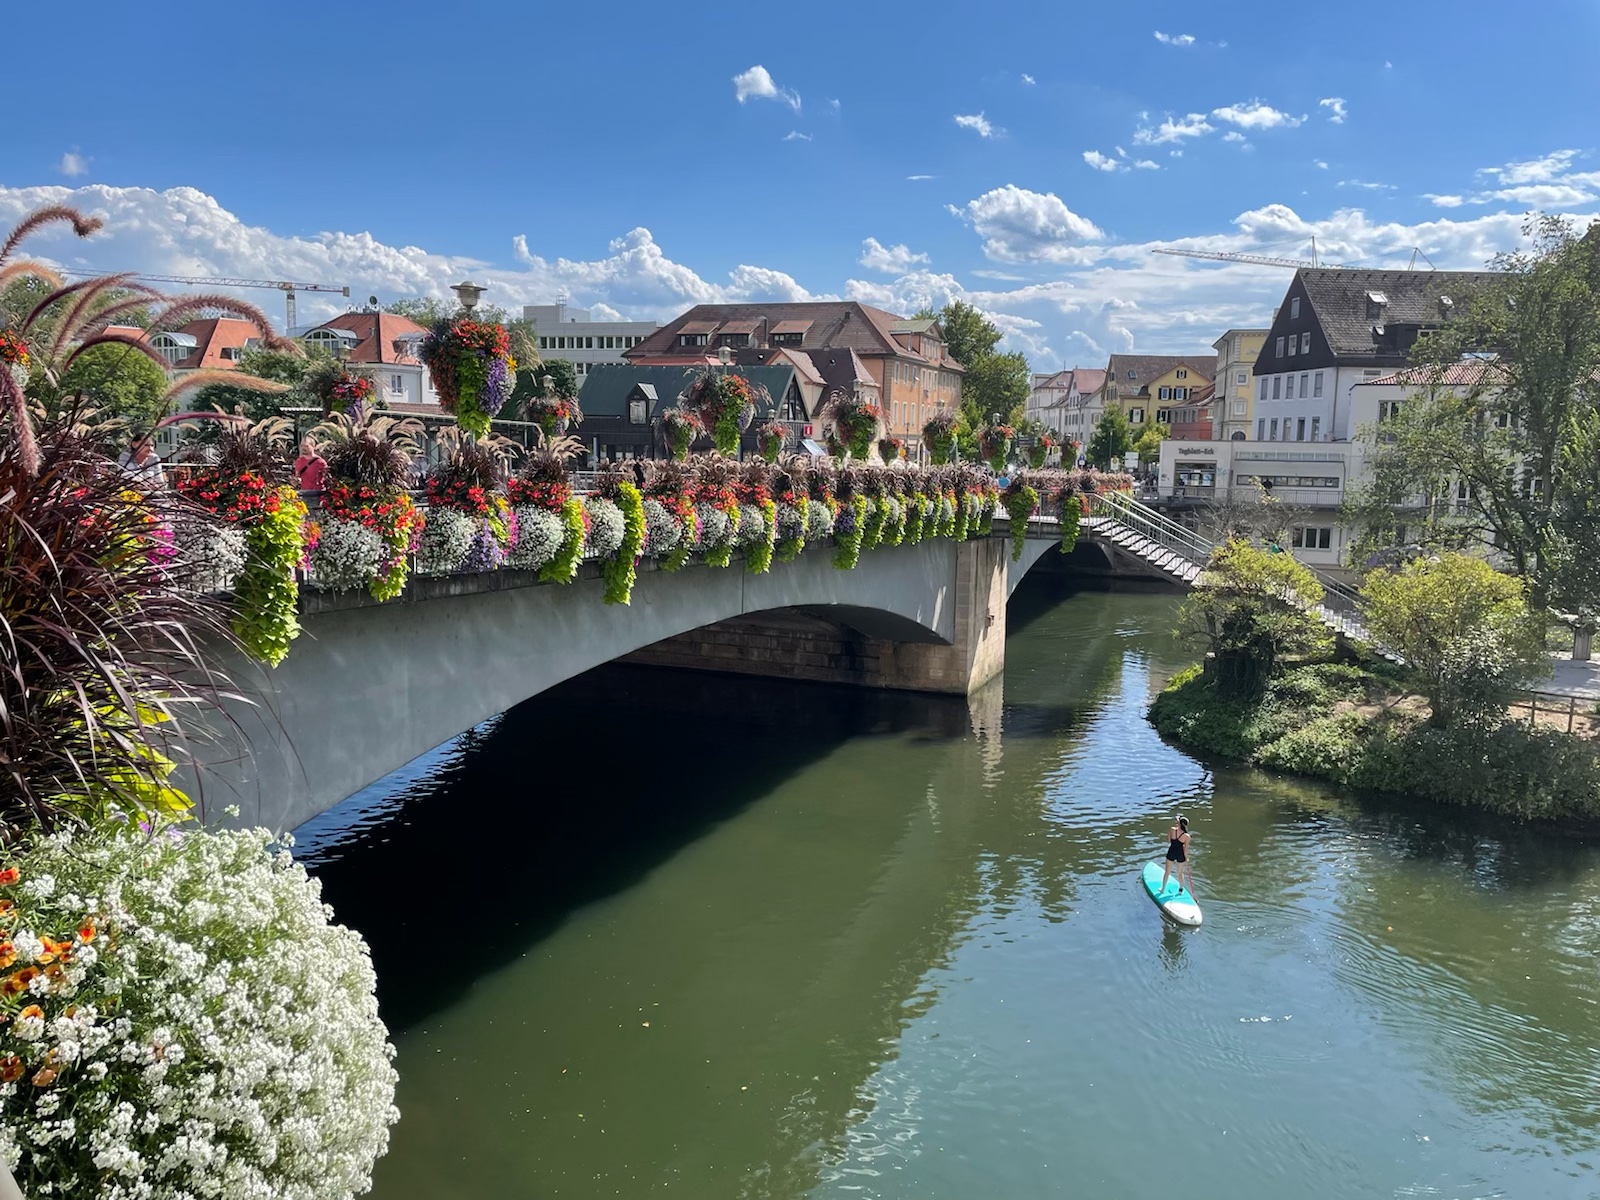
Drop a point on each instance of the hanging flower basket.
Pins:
(939, 436)
(1040, 450)
(554, 414)
(679, 428)
(857, 421)
(725, 405)
(994, 443)
(770, 438)
(890, 449)
(472, 369)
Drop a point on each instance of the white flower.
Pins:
(819, 521)
(212, 548)
(540, 534)
(663, 531)
(446, 539)
(606, 527)
(790, 521)
(30, 1028)
(752, 525)
(347, 556)
(27, 946)
(714, 525)
(896, 510)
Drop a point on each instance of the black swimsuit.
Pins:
(1175, 851)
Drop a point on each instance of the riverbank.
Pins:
(1358, 727)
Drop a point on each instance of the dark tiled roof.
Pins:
(1459, 374)
(791, 326)
(1339, 300)
(1088, 380)
(606, 386)
(842, 323)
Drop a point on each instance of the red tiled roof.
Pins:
(1088, 379)
(791, 326)
(378, 333)
(739, 326)
(1459, 374)
(697, 327)
(800, 361)
(212, 337)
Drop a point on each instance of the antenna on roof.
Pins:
(1416, 252)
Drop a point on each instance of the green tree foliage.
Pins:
(280, 366)
(1148, 443)
(1503, 444)
(993, 382)
(1464, 629)
(1250, 608)
(1111, 439)
(118, 380)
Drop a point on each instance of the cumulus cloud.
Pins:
(892, 260)
(73, 164)
(1104, 162)
(794, 135)
(1534, 170)
(1175, 39)
(979, 124)
(1145, 164)
(1445, 201)
(1172, 129)
(1319, 164)
(1028, 79)
(1233, 135)
(758, 82)
(1545, 182)
(1022, 226)
(1256, 115)
(1335, 107)
(1100, 162)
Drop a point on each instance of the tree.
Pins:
(1464, 630)
(1251, 608)
(1111, 439)
(279, 366)
(119, 381)
(1487, 462)
(1148, 443)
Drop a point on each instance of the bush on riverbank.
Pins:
(1353, 726)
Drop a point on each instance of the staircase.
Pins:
(1180, 554)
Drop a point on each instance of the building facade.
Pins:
(571, 333)
(1149, 387)
(386, 345)
(1237, 352)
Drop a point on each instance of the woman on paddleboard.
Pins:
(1178, 856)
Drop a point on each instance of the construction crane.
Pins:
(1260, 260)
(283, 285)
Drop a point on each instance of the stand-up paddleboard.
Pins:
(1175, 902)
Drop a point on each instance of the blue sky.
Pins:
(643, 158)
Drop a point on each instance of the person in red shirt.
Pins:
(310, 469)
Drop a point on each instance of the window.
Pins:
(1388, 410)
(544, 343)
(1288, 387)
(1261, 428)
(1305, 386)
(1164, 416)
(1280, 348)
(397, 385)
(1241, 379)
(1305, 343)
(1130, 374)
(1316, 428)
(1274, 436)
(1277, 388)
(694, 339)
(1316, 384)
(1294, 344)
(1182, 374)
(1294, 481)
(636, 412)
(1503, 420)
(1163, 394)
(1300, 430)
(1294, 307)
(1263, 395)
(1180, 393)
(325, 339)
(786, 339)
(1312, 537)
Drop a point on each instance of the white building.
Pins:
(568, 333)
(385, 344)
(1048, 397)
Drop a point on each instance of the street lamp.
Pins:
(548, 383)
(468, 294)
(724, 356)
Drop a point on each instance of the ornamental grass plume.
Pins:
(102, 630)
(371, 450)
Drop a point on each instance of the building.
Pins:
(1047, 398)
(1237, 351)
(1335, 329)
(1085, 403)
(570, 333)
(620, 403)
(1145, 386)
(1191, 418)
(386, 345)
(214, 344)
(914, 374)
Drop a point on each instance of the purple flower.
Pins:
(845, 523)
(496, 390)
(485, 554)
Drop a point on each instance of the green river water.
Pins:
(671, 934)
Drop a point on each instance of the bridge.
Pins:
(371, 686)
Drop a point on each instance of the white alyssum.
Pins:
(714, 525)
(540, 533)
(446, 539)
(790, 521)
(347, 556)
(205, 1030)
(662, 530)
(212, 548)
(819, 521)
(752, 525)
(606, 527)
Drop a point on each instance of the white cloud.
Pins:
(1174, 153)
(758, 82)
(1256, 115)
(1022, 226)
(1534, 170)
(1539, 195)
(1387, 65)
(1121, 153)
(73, 164)
(1175, 39)
(1233, 135)
(1445, 201)
(1028, 79)
(1172, 130)
(794, 135)
(1336, 108)
(917, 177)
(834, 106)
(1319, 164)
(1361, 183)
(604, 312)
(1144, 164)
(892, 260)
(1100, 162)
(979, 124)
(1104, 162)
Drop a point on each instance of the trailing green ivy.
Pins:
(758, 558)
(963, 517)
(1071, 514)
(847, 541)
(1020, 503)
(563, 568)
(872, 527)
(267, 595)
(621, 569)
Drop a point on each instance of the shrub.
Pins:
(159, 1046)
(1327, 747)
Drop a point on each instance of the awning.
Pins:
(811, 448)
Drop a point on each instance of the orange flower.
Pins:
(10, 1069)
(8, 955)
(9, 876)
(33, 1010)
(86, 932)
(44, 1077)
(7, 908)
(17, 982)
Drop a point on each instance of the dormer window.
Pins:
(1376, 303)
(1130, 374)
(174, 347)
(694, 339)
(1182, 374)
(337, 342)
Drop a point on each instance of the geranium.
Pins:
(714, 492)
(890, 449)
(554, 414)
(857, 421)
(158, 1048)
(389, 513)
(447, 536)
(994, 443)
(540, 532)
(606, 527)
(678, 509)
(471, 368)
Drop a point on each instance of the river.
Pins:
(658, 933)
